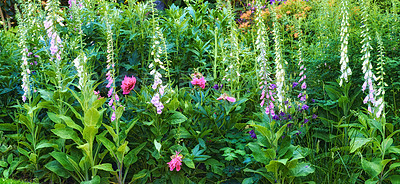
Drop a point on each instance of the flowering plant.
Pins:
(198, 80)
(128, 84)
(176, 162)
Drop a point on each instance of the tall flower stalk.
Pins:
(112, 95)
(232, 72)
(262, 46)
(279, 62)
(380, 103)
(302, 81)
(344, 37)
(158, 49)
(369, 76)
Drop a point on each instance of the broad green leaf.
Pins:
(395, 179)
(98, 103)
(216, 166)
(386, 143)
(393, 166)
(46, 95)
(177, 178)
(189, 162)
(279, 134)
(57, 168)
(46, 145)
(139, 175)
(54, 117)
(372, 168)
(177, 118)
(111, 131)
(275, 164)
(8, 127)
(95, 180)
(105, 167)
(62, 159)
(91, 117)
(122, 150)
(248, 181)
(265, 132)
(131, 124)
(258, 154)
(3, 163)
(131, 157)
(358, 142)
(376, 124)
(302, 169)
(66, 133)
(89, 133)
(69, 122)
(107, 143)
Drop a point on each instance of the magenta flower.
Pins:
(128, 84)
(226, 97)
(176, 162)
(198, 80)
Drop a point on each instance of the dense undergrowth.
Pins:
(201, 92)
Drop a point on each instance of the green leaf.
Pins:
(393, 166)
(95, 180)
(66, 133)
(89, 133)
(57, 168)
(177, 178)
(386, 144)
(122, 150)
(46, 145)
(105, 167)
(69, 122)
(53, 117)
(376, 124)
(46, 95)
(8, 127)
(91, 117)
(131, 157)
(107, 143)
(358, 142)
(177, 118)
(275, 164)
(302, 169)
(62, 159)
(372, 168)
(189, 162)
(395, 179)
(258, 154)
(248, 181)
(3, 163)
(139, 175)
(111, 131)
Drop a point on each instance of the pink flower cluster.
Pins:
(176, 162)
(226, 97)
(267, 94)
(128, 84)
(55, 40)
(198, 80)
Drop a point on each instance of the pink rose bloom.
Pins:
(198, 80)
(128, 84)
(176, 162)
(226, 97)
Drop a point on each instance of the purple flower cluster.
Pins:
(217, 87)
(253, 134)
